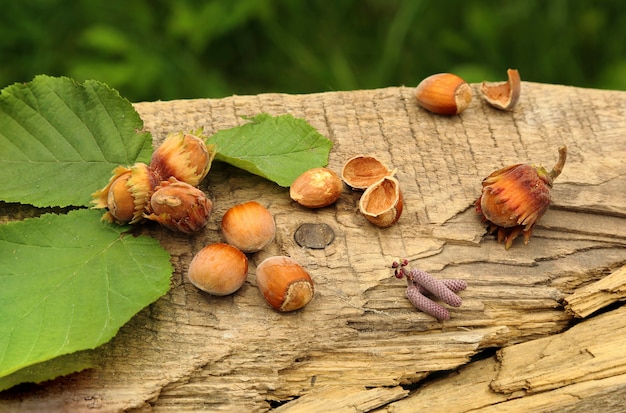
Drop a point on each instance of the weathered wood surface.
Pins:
(360, 345)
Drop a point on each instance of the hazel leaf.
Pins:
(277, 148)
(60, 140)
(69, 282)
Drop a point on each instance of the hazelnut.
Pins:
(179, 206)
(382, 203)
(283, 282)
(218, 269)
(503, 95)
(184, 156)
(127, 194)
(361, 171)
(316, 188)
(444, 93)
(248, 226)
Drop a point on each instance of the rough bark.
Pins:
(360, 345)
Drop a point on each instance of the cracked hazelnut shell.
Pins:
(503, 95)
(361, 171)
(382, 203)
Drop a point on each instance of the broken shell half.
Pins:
(503, 95)
(361, 171)
(382, 203)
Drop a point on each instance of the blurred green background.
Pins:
(163, 50)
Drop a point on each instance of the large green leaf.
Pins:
(69, 282)
(60, 140)
(277, 148)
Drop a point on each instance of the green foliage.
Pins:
(277, 148)
(69, 283)
(151, 50)
(59, 140)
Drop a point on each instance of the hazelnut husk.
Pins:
(316, 188)
(179, 206)
(382, 203)
(514, 198)
(184, 156)
(285, 285)
(444, 94)
(359, 172)
(248, 226)
(503, 95)
(127, 194)
(218, 269)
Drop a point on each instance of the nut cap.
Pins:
(444, 93)
(316, 188)
(285, 285)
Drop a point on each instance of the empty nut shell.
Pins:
(444, 93)
(503, 95)
(382, 203)
(361, 171)
(316, 188)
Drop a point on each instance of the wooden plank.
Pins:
(190, 351)
(591, 298)
(581, 369)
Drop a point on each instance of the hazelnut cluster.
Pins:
(222, 268)
(164, 191)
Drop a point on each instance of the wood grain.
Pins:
(360, 339)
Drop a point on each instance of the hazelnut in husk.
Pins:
(127, 194)
(184, 156)
(514, 198)
(179, 206)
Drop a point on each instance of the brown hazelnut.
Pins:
(382, 203)
(503, 95)
(179, 206)
(184, 156)
(285, 285)
(248, 226)
(127, 194)
(218, 269)
(361, 171)
(444, 93)
(316, 188)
